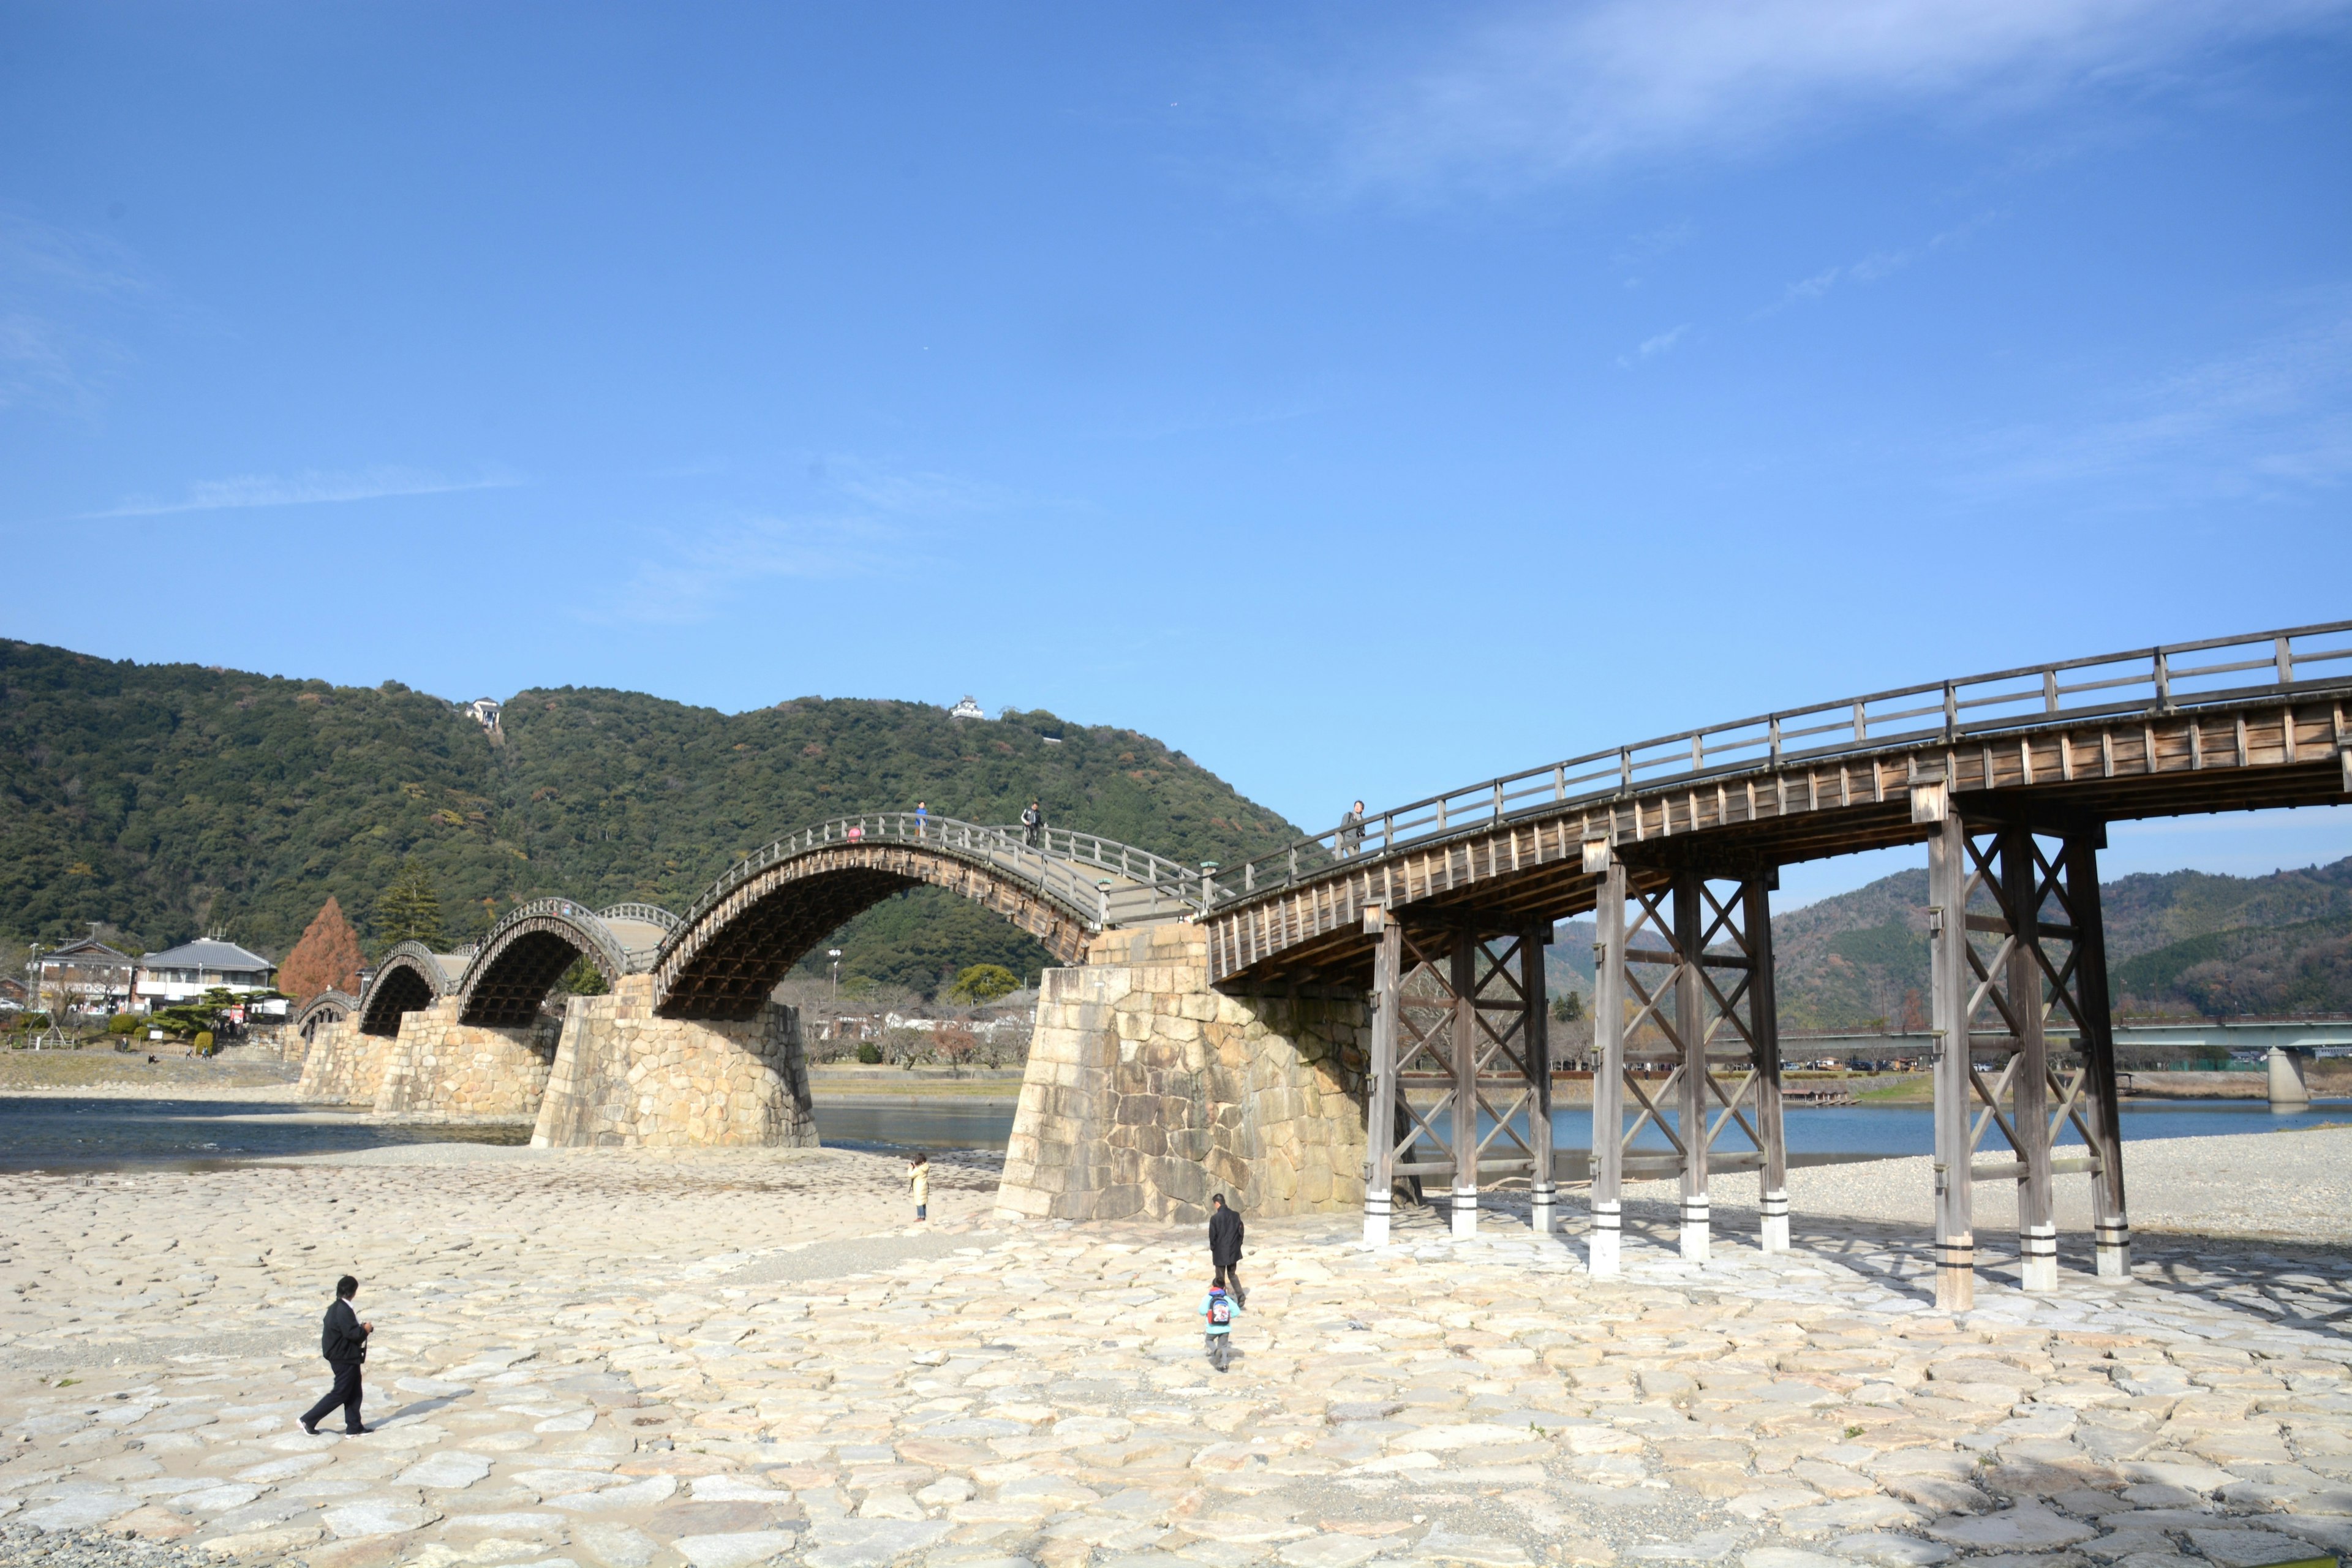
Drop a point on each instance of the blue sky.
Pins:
(1365, 399)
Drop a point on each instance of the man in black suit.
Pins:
(343, 1342)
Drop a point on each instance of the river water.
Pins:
(164, 1133)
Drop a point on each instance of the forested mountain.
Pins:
(163, 799)
(2183, 942)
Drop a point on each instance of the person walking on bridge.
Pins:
(1032, 823)
(922, 820)
(343, 1342)
(1351, 832)
(1226, 1248)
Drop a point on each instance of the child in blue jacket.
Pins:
(1218, 1309)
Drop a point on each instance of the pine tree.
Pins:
(410, 910)
(326, 959)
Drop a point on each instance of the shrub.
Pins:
(204, 1042)
(984, 983)
(869, 1054)
(123, 1023)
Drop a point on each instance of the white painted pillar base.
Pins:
(1956, 1275)
(2111, 1241)
(1600, 1259)
(1776, 1221)
(1465, 1211)
(1540, 1210)
(1694, 1230)
(1376, 1218)
(2038, 1246)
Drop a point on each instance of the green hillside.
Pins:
(2181, 942)
(165, 799)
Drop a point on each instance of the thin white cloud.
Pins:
(2272, 417)
(1651, 347)
(1872, 267)
(887, 521)
(1546, 90)
(918, 493)
(310, 488)
(693, 575)
(57, 288)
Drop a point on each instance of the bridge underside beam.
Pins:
(726, 962)
(508, 996)
(732, 974)
(396, 993)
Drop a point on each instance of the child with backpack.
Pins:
(1218, 1309)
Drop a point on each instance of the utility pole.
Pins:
(835, 953)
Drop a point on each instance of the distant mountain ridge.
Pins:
(163, 799)
(2191, 942)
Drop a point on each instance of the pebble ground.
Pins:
(634, 1360)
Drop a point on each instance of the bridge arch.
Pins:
(329, 1006)
(409, 977)
(767, 913)
(533, 944)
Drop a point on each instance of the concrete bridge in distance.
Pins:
(1365, 1008)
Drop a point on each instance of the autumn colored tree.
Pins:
(326, 959)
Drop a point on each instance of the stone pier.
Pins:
(441, 1066)
(345, 1066)
(624, 1077)
(1146, 1092)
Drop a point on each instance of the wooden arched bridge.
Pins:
(724, 957)
(1439, 910)
(1430, 920)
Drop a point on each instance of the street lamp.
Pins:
(834, 954)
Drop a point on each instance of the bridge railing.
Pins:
(643, 914)
(2152, 680)
(1061, 864)
(627, 960)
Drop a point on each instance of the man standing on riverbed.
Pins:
(1225, 1247)
(343, 1342)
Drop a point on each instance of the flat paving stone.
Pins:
(737, 1551)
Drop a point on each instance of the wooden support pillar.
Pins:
(2029, 1074)
(1764, 1035)
(1537, 1034)
(1381, 1104)
(1466, 1083)
(1690, 1027)
(1948, 925)
(2110, 1227)
(1608, 1158)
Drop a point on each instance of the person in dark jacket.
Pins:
(343, 1342)
(1225, 1247)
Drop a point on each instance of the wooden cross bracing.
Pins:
(2015, 930)
(1461, 1069)
(1706, 989)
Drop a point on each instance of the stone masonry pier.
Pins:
(625, 1077)
(439, 1065)
(1146, 1092)
(345, 1065)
